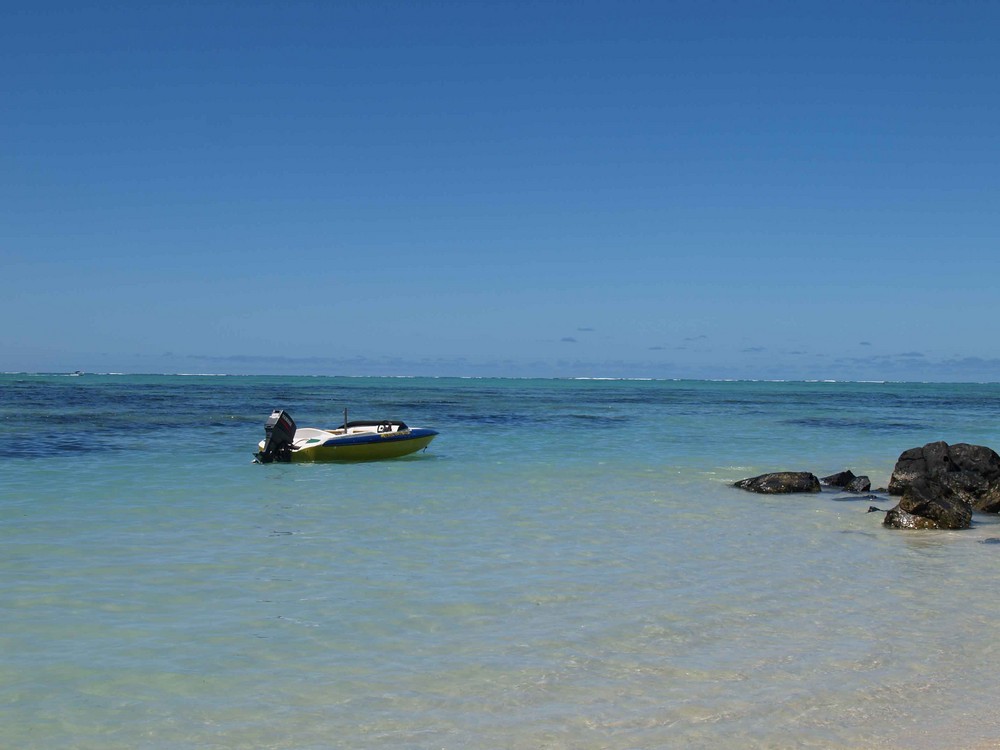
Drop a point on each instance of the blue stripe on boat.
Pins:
(416, 432)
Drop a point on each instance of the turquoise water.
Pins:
(565, 567)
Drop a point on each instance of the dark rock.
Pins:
(937, 459)
(858, 485)
(848, 481)
(989, 502)
(929, 505)
(990, 540)
(976, 458)
(917, 463)
(900, 519)
(969, 472)
(939, 503)
(840, 479)
(781, 482)
(966, 484)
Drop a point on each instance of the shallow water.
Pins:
(565, 567)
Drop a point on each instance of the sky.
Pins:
(775, 190)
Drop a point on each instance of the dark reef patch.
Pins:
(854, 424)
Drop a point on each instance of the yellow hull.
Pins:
(387, 447)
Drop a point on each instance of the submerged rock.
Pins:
(781, 482)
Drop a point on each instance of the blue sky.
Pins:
(644, 189)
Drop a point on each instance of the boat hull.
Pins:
(365, 447)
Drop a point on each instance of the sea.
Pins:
(566, 567)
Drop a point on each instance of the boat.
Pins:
(352, 441)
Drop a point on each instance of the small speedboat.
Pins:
(352, 441)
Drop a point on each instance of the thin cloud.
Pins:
(568, 339)
(974, 363)
(271, 359)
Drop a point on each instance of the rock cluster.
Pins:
(942, 484)
(939, 485)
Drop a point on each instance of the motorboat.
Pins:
(352, 441)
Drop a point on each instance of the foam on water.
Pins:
(565, 567)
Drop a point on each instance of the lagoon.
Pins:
(567, 566)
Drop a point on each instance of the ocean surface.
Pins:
(566, 567)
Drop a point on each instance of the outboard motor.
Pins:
(280, 431)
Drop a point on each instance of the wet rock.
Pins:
(859, 485)
(840, 479)
(900, 519)
(848, 481)
(781, 482)
(970, 472)
(935, 460)
(918, 463)
(989, 501)
(929, 505)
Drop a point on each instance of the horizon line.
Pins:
(594, 378)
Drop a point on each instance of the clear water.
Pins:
(566, 566)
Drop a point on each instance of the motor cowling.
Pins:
(279, 431)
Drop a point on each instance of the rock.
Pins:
(989, 502)
(781, 482)
(917, 463)
(848, 481)
(840, 479)
(900, 519)
(928, 505)
(969, 472)
(858, 485)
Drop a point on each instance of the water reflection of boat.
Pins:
(352, 441)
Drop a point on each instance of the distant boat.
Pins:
(352, 441)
